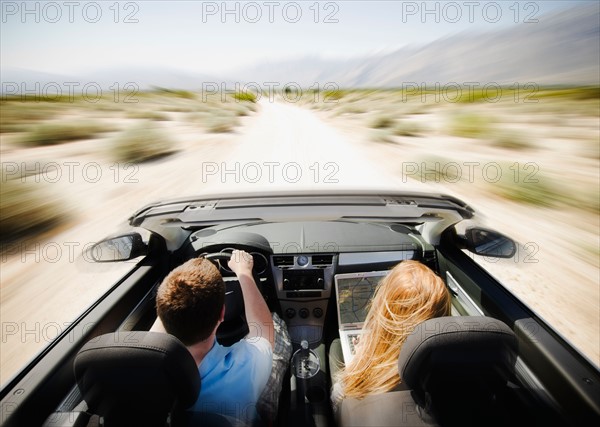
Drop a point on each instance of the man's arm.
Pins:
(258, 315)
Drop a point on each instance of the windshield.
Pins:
(109, 106)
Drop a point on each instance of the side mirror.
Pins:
(489, 243)
(120, 248)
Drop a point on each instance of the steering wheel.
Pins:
(234, 327)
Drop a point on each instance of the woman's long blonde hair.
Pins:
(409, 295)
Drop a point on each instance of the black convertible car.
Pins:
(493, 362)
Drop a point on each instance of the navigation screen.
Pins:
(354, 295)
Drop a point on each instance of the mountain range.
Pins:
(562, 49)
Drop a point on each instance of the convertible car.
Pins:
(492, 362)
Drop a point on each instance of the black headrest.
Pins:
(136, 378)
(452, 361)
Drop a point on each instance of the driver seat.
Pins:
(136, 378)
(141, 378)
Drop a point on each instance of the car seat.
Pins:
(141, 378)
(453, 370)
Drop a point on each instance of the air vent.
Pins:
(283, 260)
(322, 259)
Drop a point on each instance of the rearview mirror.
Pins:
(121, 248)
(489, 243)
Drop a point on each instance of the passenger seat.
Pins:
(457, 369)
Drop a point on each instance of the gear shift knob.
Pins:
(305, 362)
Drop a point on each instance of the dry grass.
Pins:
(142, 143)
(27, 207)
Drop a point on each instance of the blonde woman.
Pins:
(409, 295)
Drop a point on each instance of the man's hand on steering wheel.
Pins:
(241, 262)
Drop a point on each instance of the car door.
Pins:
(564, 385)
(45, 388)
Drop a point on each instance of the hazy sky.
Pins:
(216, 37)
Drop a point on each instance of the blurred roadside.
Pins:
(73, 172)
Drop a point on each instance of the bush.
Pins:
(177, 109)
(383, 136)
(382, 122)
(510, 140)
(470, 125)
(245, 97)
(437, 169)
(332, 95)
(58, 133)
(222, 123)
(186, 94)
(529, 187)
(351, 109)
(27, 207)
(18, 116)
(406, 128)
(242, 109)
(148, 115)
(142, 143)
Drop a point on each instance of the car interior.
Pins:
(492, 362)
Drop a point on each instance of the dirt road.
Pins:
(286, 146)
(282, 145)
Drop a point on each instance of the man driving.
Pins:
(190, 306)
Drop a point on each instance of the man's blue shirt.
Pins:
(233, 378)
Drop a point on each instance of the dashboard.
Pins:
(295, 263)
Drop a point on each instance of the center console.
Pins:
(308, 385)
(303, 285)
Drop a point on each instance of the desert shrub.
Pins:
(200, 117)
(244, 96)
(148, 115)
(406, 128)
(351, 109)
(438, 169)
(383, 136)
(27, 207)
(526, 185)
(222, 122)
(492, 94)
(141, 143)
(577, 93)
(241, 109)
(178, 93)
(333, 95)
(178, 109)
(382, 122)
(53, 133)
(510, 139)
(19, 116)
(470, 125)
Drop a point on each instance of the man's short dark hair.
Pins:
(190, 299)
